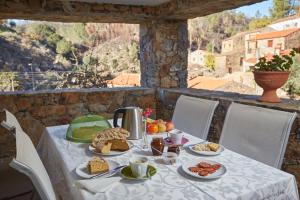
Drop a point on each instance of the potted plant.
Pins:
(271, 74)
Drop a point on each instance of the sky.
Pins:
(262, 7)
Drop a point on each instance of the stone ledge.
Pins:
(79, 90)
(286, 104)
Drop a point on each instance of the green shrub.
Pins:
(293, 83)
(89, 60)
(79, 29)
(259, 23)
(209, 47)
(63, 47)
(209, 62)
(3, 28)
(53, 39)
(115, 63)
(9, 81)
(41, 31)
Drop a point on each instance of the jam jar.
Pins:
(174, 149)
(157, 146)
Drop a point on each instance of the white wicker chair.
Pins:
(259, 133)
(193, 115)
(27, 160)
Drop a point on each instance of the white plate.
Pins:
(207, 153)
(219, 173)
(82, 171)
(111, 153)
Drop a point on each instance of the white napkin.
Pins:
(98, 185)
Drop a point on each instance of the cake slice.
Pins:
(97, 165)
(119, 145)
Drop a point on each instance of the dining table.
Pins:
(245, 178)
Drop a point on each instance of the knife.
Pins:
(108, 172)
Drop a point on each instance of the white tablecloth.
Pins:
(245, 177)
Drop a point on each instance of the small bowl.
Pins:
(169, 158)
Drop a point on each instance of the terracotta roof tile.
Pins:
(126, 80)
(208, 83)
(250, 60)
(275, 34)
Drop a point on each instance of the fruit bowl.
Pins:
(158, 126)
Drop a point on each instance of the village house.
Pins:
(242, 50)
(286, 23)
(270, 43)
(197, 57)
(232, 54)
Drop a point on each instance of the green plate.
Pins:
(83, 129)
(127, 173)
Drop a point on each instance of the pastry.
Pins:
(213, 146)
(207, 147)
(110, 134)
(97, 165)
(201, 147)
(119, 145)
(111, 139)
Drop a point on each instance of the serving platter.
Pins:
(218, 174)
(206, 153)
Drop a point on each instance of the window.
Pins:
(270, 43)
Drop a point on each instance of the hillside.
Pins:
(208, 32)
(43, 55)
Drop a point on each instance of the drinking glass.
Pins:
(144, 134)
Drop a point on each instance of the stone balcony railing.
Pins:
(37, 110)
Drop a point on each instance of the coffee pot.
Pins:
(131, 121)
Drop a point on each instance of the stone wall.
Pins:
(164, 53)
(166, 100)
(35, 111)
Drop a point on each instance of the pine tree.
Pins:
(280, 8)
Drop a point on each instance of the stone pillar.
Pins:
(163, 54)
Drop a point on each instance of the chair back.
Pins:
(259, 133)
(193, 115)
(28, 161)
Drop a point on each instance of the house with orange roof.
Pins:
(270, 43)
(125, 80)
(233, 51)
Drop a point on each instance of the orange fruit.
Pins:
(169, 126)
(152, 128)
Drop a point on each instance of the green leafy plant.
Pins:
(293, 84)
(210, 62)
(63, 47)
(40, 31)
(277, 63)
(53, 39)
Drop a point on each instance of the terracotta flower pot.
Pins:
(270, 81)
